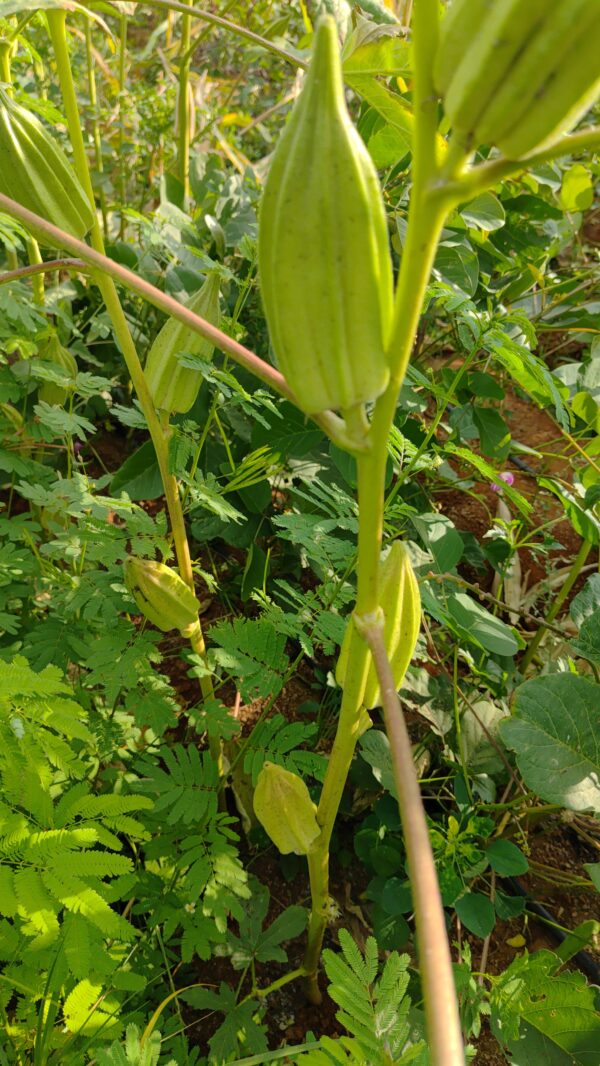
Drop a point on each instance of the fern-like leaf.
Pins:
(85, 1011)
(374, 1013)
(187, 788)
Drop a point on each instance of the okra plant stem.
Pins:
(121, 141)
(37, 281)
(5, 50)
(183, 104)
(57, 25)
(93, 94)
(428, 210)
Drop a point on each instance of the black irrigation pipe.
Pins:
(583, 959)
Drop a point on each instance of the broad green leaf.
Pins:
(441, 537)
(577, 190)
(555, 733)
(506, 858)
(477, 913)
(139, 475)
(375, 50)
(378, 11)
(587, 601)
(375, 750)
(587, 643)
(458, 264)
(545, 1016)
(494, 433)
(481, 626)
(392, 107)
(484, 212)
(579, 938)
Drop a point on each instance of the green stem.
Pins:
(535, 642)
(5, 50)
(57, 24)
(371, 479)
(485, 175)
(121, 142)
(183, 104)
(12, 261)
(347, 734)
(93, 94)
(426, 217)
(37, 280)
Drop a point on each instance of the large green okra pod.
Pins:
(325, 267)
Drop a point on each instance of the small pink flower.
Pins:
(507, 478)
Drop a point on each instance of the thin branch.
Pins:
(443, 1023)
(58, 238)
(330, 423)
(460, 581)
(43, 268)
(218, 20)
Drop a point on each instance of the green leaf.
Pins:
(545, 1016)
(83, 1014)
(442, 538)
(587, 643)
(583, 522)
(506, 858)
(577, 190)
(239, 1030)
(395, 111)
(375, 750)
(484, 212)
(477, 913)
(139, 475)
(291, 433)
(278, 741)
(254, 943)
(375, 50)
(528, 371)
(508, 907)
(577, 939)
(186, 788)
(253, 652)
(587, 601)
(556, 737)
(513, 496)
(494, 433)
(63, 423)
(481, 625)
(458, 264)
